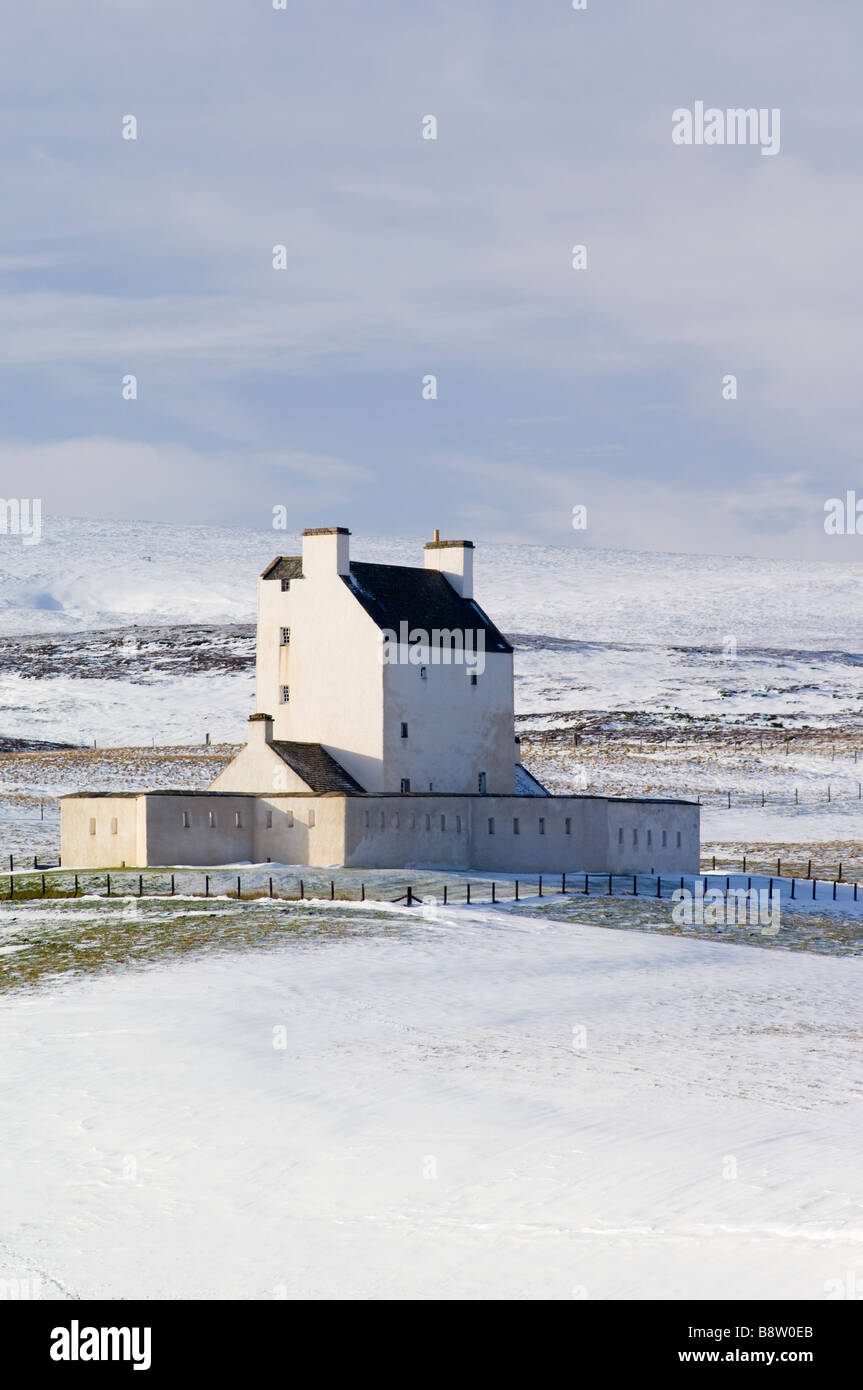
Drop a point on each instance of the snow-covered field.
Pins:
(483, 1106)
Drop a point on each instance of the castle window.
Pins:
(404, 730)
(649, 838)
(238, 820)
(367, 820)
(567, 826)
(458, 825)
(620, 837)
(473, 679)
(383, 820)
(664, 838)
(311, 820)
(286, 584)
(269, 820)
(443, 822)
(113, 825)
(396, 820)
(186, 821)
(286, 636)
(211, 819)
(491, 825)
(406, 784)
(542, 825)
(515, 826)
(286, 694)
(634, 838)
(678, 839)
(92, 825)
(428, 822)
(412, 822)
(480, 784)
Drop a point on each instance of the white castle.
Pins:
(384, 738)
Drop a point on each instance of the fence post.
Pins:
(76, 885)
(744, 863)
(108, 882)
(271, 887)
(493, 898)
(172, 885)
(814, 886)
(467, 899)
(206, 885)
(635, 885)
(563, 883)
(239, 889)
(43, 885)
(809, 869)
(410, 899)
(444, 895)
(332, 891)
(140, 885)
(302, 890)
(609, 883)
(540, 885)
(516, 890)
(586, 884)
(834, 890)
(793, 881)
(362, 892)
(659, 886)
(840, 873)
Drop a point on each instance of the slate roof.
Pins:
(318, 768)
(392, 594)
(285, 567)
(526, 784)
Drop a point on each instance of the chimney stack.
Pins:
(454, 559)
(326, 550)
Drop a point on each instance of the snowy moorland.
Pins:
(482, 1106)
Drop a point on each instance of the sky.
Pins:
(407, 257)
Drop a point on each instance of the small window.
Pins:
(649, 838)
(423, 672)
(92, 825)
(406, 784)
(404, 730)
(238, 820)
(491, 825)
(458, 825)
(286, 694)
(383, 820)
(311, 820)
(269, 820)
(428, 822)
(367, 820)
(620, 837)
(515, 826)
(211, 819)
(443, 822)
(186, 820)
(634, 838)
(290, 819)
(567, 826)
(286, 584)
(412, 822)
(480, 783)
(473, 679)
(678, 839)
(664, 838)
(396, 820)
(286, 636)
(113, 825)
(542, 825)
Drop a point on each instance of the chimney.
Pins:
(326, 551)
(260, 728)
(454, 559)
